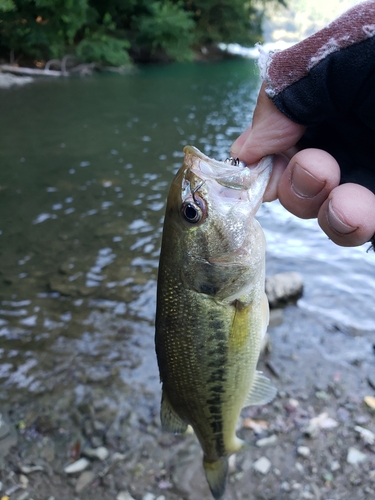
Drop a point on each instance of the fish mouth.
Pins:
(231, 173)
(228, 162)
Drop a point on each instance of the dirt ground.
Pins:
(316, 440)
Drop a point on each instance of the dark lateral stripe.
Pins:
(217, 376)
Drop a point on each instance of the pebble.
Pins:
(335, 465)
(124, 495)
(285, 486)
(23, 480)
(24, 496)
(370, 401)
(299, 467)
(78, 466)
(84, 480)
(320, 422)
(101, 452)
(307, 495)
(4, 427)
(355, 456)
(232, 464)
(267, 441)
(262, 465)
(303, 451)
(148, 496)
(367, 436)
(28, 469)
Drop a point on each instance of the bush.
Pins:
(103, 49)
(167, 27)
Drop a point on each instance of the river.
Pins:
(86, 165)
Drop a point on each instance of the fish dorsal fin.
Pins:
(261, 392)
(170, 421)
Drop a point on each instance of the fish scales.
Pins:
(211, 307)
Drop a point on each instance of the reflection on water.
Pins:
(86, 164)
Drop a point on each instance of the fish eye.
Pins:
(192, 213)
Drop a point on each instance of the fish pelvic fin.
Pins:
(216, 475)
(261, 392)
(170, 421)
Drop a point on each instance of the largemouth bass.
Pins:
(212, 312)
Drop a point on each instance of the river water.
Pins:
(85, 168)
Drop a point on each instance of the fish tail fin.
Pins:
(216, 474)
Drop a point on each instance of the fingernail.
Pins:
(304, 184)
(336, 223)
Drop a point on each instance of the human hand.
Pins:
(306, 182)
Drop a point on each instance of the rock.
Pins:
(84, 480)
(24, 496)
(100, 453)
(124, 495)
(299, 467)
(4, 427)
(285, 486)
(24, 481)
(322, 421)
(258, 426)
(262, 465)
(335, 465)
(283, 288)
(9, 437)
(78, 466)
(232, 464)
(308, 495)
(148, 496)
(303, 451)
(355, 456)
(367, 436)
(28, 469)
(370, 402)
(267, 441)
(7, 80)
(118, 457)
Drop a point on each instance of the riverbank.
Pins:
(8, 80)
(315, 441)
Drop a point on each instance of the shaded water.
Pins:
(86, 164)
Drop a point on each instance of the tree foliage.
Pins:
(114, 31)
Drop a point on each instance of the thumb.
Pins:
(271, 132)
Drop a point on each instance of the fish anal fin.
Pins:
(261, 392)
(216, 475)
(170, 421)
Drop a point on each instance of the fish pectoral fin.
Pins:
(170, 421)
(216, 475)
(261, 392)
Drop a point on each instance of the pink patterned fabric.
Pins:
(283, 68)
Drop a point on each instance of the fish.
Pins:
(212, 311)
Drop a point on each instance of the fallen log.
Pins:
(31, 71)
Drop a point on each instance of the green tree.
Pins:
(167, 28)
(108, 31)
(42, 28)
